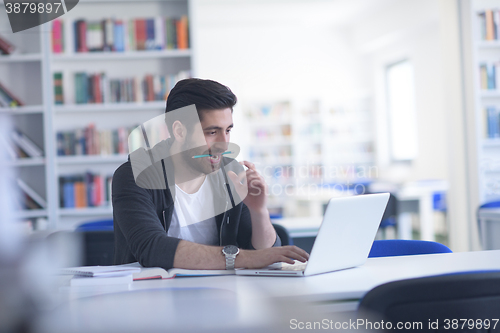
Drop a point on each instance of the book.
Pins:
(148, 273)
(95, 36)
(84, 190)
(8, 97)
(57, 36)
(98, 88)
(490, 25)
(81, 33)
(32, 194)
(150, 34)
(58, 88)
(6, 47)
(182, 32)
(119, 36)
(79, 281)
(492, 122)
(109, 36)
(100, 271)
(26, 144)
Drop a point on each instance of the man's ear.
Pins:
(179, 131)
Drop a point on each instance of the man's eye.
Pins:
(212, 133)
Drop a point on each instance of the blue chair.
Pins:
(436, 301)
(98, 242)
(283, 234)
(402, 247)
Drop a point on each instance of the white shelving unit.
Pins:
(22, 74)
(488, 149)
(29, 74)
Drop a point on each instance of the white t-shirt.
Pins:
(194, 215)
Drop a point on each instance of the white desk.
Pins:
(244, 302)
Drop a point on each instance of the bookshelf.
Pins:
(34, 67)
(21, 74)
(485, 19)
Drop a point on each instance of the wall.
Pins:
(275, 49)
(409, 30)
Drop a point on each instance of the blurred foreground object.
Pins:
(14, 304)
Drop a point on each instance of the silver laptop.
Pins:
(344, 238)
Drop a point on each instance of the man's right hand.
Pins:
(265, 257)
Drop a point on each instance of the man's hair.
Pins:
(207, 95)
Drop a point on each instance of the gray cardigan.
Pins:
(142, 216)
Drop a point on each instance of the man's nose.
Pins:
(221, 145)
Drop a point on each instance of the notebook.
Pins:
(344, 238)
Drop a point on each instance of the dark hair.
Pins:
(205, 94)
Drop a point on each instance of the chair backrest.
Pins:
(98, 248)
(402, 247)
(491, 204)
(101, 225)
(98, 242)
(283, 234)
(437, 301)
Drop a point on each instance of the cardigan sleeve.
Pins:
(139, 232)
(245, 230)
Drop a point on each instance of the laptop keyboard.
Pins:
(294, 267)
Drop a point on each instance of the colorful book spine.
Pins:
(156, 33)
(58, 88)
(90, 141)
(7, 98)
(489, 22)
(119, 36)
(489, 76)
(182, 33)
(57, 36)
(98, 88)
(85, 190)
(82, 36)
(140, 34)
(6, 47)
(492, 115)
(150, 34)
(109, 34)
(490, 25)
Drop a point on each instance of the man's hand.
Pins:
(254, 190)
(263, 234)
(266, 257)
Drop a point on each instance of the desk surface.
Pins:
(177, 300)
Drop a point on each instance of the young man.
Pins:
(177, 225)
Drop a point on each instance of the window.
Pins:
(401, 111)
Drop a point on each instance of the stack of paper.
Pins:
(100, 275)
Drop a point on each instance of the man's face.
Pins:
(216, 128)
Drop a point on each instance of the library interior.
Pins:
(336, 99)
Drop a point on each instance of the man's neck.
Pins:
(184, 171)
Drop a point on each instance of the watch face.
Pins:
(230, 249)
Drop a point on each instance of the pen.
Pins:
(207, 155)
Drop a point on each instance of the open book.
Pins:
(147, 273)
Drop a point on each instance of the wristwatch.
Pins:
(230, 251)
